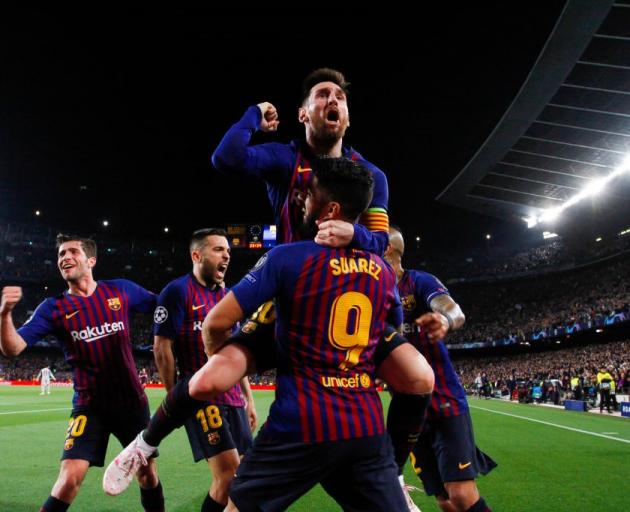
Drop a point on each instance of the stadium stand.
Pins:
(544, 292)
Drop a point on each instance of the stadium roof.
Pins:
(569, 125)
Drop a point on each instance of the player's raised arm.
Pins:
(235, 155)
(11, 343)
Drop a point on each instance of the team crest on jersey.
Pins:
(408, 302)
(114, 303)
(160, 315)
(214, 438)
(68, 444)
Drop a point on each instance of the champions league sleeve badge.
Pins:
(160, 315)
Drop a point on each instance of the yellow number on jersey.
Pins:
(351, 337)
(265, 314)
(77, 425)
(210, 418)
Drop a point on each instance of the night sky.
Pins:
(114, 115)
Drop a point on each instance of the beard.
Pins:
(208, 274)
(326, 136)
(308, 229)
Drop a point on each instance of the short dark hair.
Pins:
(345, 181)
(87, 244)
(323, 75)
(198, 237)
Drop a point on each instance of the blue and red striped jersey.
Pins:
(182, 306)
(331, 307)
(286, 170)
(417, 289)
(95, 337)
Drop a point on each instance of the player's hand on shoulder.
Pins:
(270, 121)
(335, 233)
(435, 325)
(11, 295)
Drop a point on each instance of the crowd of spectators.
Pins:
(554, 372)
(545, 305)
(27, 366)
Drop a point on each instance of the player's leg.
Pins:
(256, 335)
(460, 462)
(151, 492)
(67, 485)
(218, 434)
(85, 444)
(275, 473)
(222, 372)
(125, 427)
(424, 464)
(366, 480)
(223, 467)
(463, 495)
(411, 379)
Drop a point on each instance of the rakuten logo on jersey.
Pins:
(96, 333)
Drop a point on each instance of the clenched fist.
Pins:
(11, 295)
(270, 121)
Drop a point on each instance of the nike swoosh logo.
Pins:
(464, 466)
(69, 316)
(390, 337)
(303, 169)
(195, 308)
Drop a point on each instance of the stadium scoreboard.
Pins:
(251, 236)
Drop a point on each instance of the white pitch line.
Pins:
(553, 424)
(36, 410)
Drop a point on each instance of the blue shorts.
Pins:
(89, 431)
(359, 474)
(217, 428)
(446, 452)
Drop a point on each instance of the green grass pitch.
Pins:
(542, 466)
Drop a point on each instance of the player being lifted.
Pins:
(326, 425)
(287, 171)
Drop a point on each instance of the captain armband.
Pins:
(375, 219)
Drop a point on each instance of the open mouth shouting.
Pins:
(221, 268)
